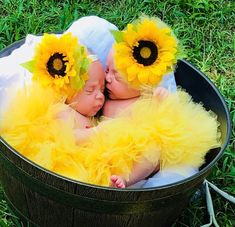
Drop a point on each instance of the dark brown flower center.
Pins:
(56, 65)
(145, 53)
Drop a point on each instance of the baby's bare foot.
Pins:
(117, 181)
(160, 93)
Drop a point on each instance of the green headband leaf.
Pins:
(29, 65)
(118, 36)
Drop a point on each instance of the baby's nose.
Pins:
(108, 78)
(99, 95)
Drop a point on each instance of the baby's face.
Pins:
(117, 88)
(90, 100)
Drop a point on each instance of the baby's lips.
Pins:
(98, 107)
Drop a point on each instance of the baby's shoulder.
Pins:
(79, 121)
(113, 107)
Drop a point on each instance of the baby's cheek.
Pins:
(115, 90)
(122, 91)
(93, 100)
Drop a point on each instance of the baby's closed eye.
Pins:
(89, 90)
(118, 78)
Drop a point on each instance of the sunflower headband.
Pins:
(145, 51)
(61, 63)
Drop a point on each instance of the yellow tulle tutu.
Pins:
(31, 125)
(174, 131)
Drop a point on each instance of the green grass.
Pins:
(206, 29)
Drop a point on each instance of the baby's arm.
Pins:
(82, 129)
(140, 171)
(82, 135)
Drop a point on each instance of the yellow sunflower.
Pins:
(145, 51)
(60, 62)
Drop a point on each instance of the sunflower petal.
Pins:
(143, 76)
(131, 73)
(154, 79)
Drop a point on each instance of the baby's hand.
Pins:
(160, 93)
(117, 181)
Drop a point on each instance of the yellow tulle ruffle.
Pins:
(31, 125)
(174, 131)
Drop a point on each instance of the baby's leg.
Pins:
(160, 93)
(140, 171)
